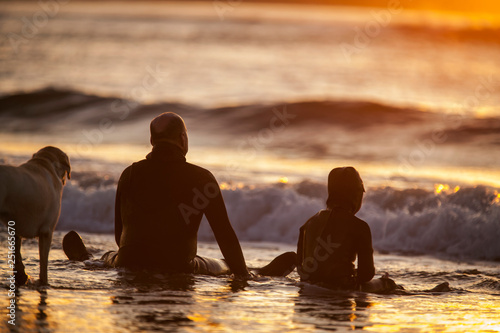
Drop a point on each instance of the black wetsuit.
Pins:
(160, 202)
(327, 248)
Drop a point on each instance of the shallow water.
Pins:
(86, 298)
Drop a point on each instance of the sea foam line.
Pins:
(461, 224)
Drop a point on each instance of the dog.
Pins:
(30, 203)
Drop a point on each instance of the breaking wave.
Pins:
(462, 224)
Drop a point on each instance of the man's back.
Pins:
(159, 206)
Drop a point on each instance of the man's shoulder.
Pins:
(199, 171)
(193, 167)
(126, 172)
(189, 170)
(133, 166)
(197, 168)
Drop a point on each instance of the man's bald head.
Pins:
(169, 127)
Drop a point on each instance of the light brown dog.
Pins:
(30, 197)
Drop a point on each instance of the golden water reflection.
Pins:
(206, 304)
(462, 313)
(325, 310)
(62, 311)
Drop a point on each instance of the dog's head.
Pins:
(59, 160)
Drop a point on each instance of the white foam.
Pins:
(91, 209)
(465, 224)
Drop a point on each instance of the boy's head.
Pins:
(345, 189)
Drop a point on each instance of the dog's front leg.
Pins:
(21, 276)
(44, 241)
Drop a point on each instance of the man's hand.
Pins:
(248, 276)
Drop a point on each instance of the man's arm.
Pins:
(366, 267)
(118, 214)
(224, 234)
(300, 253)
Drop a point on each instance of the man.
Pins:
(160, 202)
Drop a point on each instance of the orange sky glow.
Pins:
(485, 6)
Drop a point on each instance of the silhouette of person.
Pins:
(160, 202)
(330, 241)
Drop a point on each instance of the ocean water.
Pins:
(83, 297)
(273, 97)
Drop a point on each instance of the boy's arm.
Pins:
(366, 267)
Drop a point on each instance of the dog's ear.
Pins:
(64, 167)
